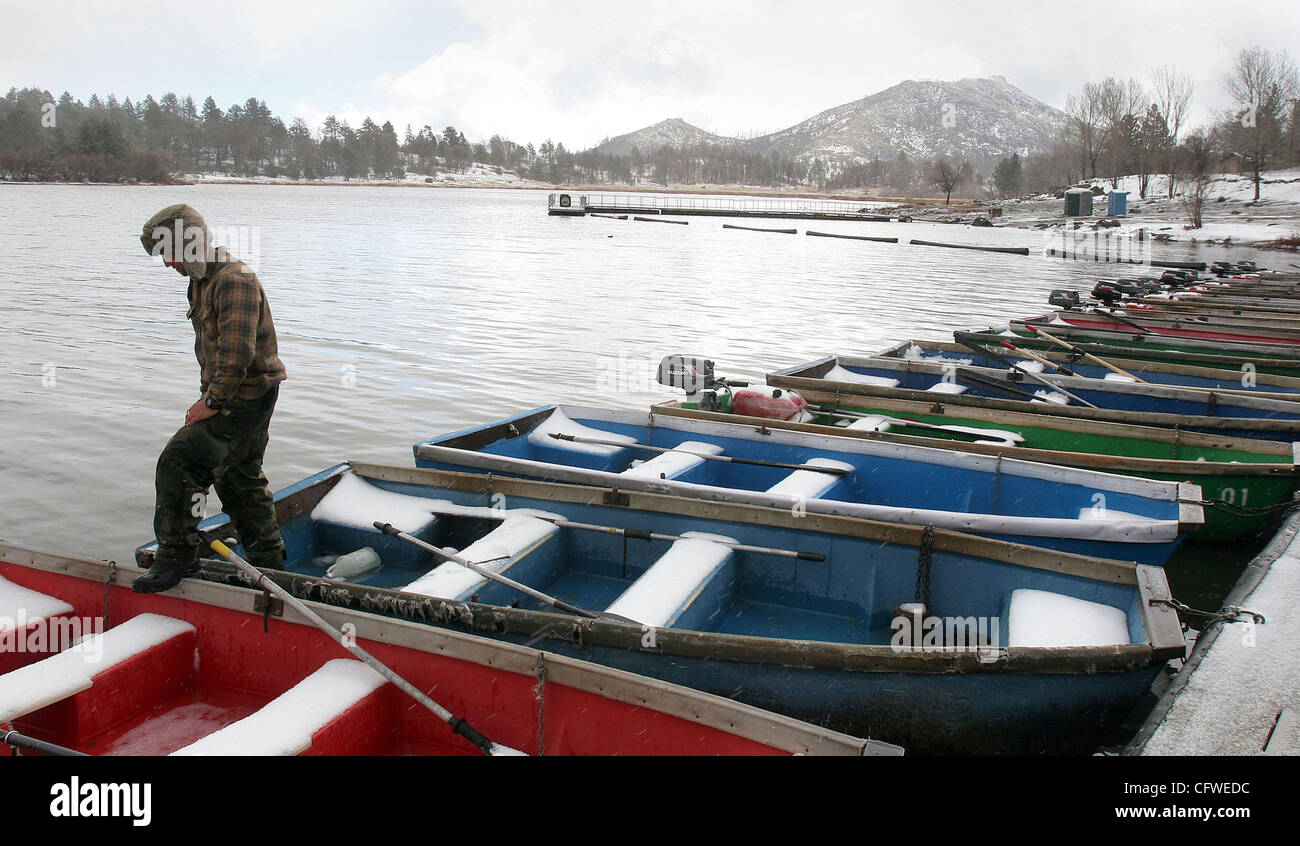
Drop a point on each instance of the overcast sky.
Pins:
(578, 71)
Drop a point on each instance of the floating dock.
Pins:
(574, 205)
(1238, 692)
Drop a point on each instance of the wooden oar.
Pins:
(458, 724)
(1124, 320)
(909, 423)
(962, 339)
(641, 534)
(1046, 362)
(1074, 349)
(390, 529)
(834, 471)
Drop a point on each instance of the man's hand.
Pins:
(198, 411)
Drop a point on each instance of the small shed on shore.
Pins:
(1078, 202)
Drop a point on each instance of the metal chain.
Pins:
(541, 703)
(108, 584)
(1227, 614)
(1249, 511)
(923, 567)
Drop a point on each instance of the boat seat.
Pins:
(591, 456)
(32, 625)
(1043, 618)
(684, 458)
(344, 522)
(843, 374)
(946, 388)
(103, 679)
(341, 709)
(523, 547)
(813, 484)
(872, 423)
(687, 587)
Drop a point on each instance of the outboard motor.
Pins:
(694, 375)
(1111, 293)
(1066, 299)
(1247, 267)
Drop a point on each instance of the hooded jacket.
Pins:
(234, 335)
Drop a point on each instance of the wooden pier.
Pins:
(751, 207)
(1238, 692)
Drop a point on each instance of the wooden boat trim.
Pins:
(1102, 569)
(1083, 460)
(1168, 368)
(762, 726)
(1134, 338)
(806, 384)
(1159, 531)
(1185, 393)
(1115, 352)
(811, 655)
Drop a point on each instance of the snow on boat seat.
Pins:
(344, 521)
(335, 699)
(946, 388)
(32, 624)
(843, 374)
(997, 437)
(574, 453)
(524, 547)
(1111, 515)
(105, 677)
(1042, 618)
(872, 423)
(686, 588)
(814, 484)
(684, 458)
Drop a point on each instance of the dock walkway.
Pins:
(754, 207)
(1239, 691)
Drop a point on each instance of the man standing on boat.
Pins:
(225, 432)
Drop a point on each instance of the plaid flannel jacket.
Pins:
(234, 337)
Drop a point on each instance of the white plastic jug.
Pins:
(354, 564)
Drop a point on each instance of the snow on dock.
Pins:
(1239, 691)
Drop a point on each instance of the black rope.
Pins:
(923, 567)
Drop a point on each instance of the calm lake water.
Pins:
(406, 312)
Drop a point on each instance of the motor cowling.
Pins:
(767, 402)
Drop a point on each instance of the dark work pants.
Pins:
(224, 451)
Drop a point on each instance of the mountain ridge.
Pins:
(981, 119)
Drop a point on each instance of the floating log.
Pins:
(853, 237)
(1019, 251)
(609, 216)
(661, 220)
(760, 229)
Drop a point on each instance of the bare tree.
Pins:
(1197, 157)
(946, 176)
(1172, 90)
(1263, 86)
(1084, 111)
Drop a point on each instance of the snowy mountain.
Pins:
(674, 132)
(982, 120)
(978, 119)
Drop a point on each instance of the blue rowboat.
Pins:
(1234, 415)
(1175, 375)
(808, 615)
(1080, 511)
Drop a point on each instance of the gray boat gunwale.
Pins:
(1160, 621)
(1067, 359)
(1188, 496)
(1082, 460)
(796, 377)
(787, 733)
